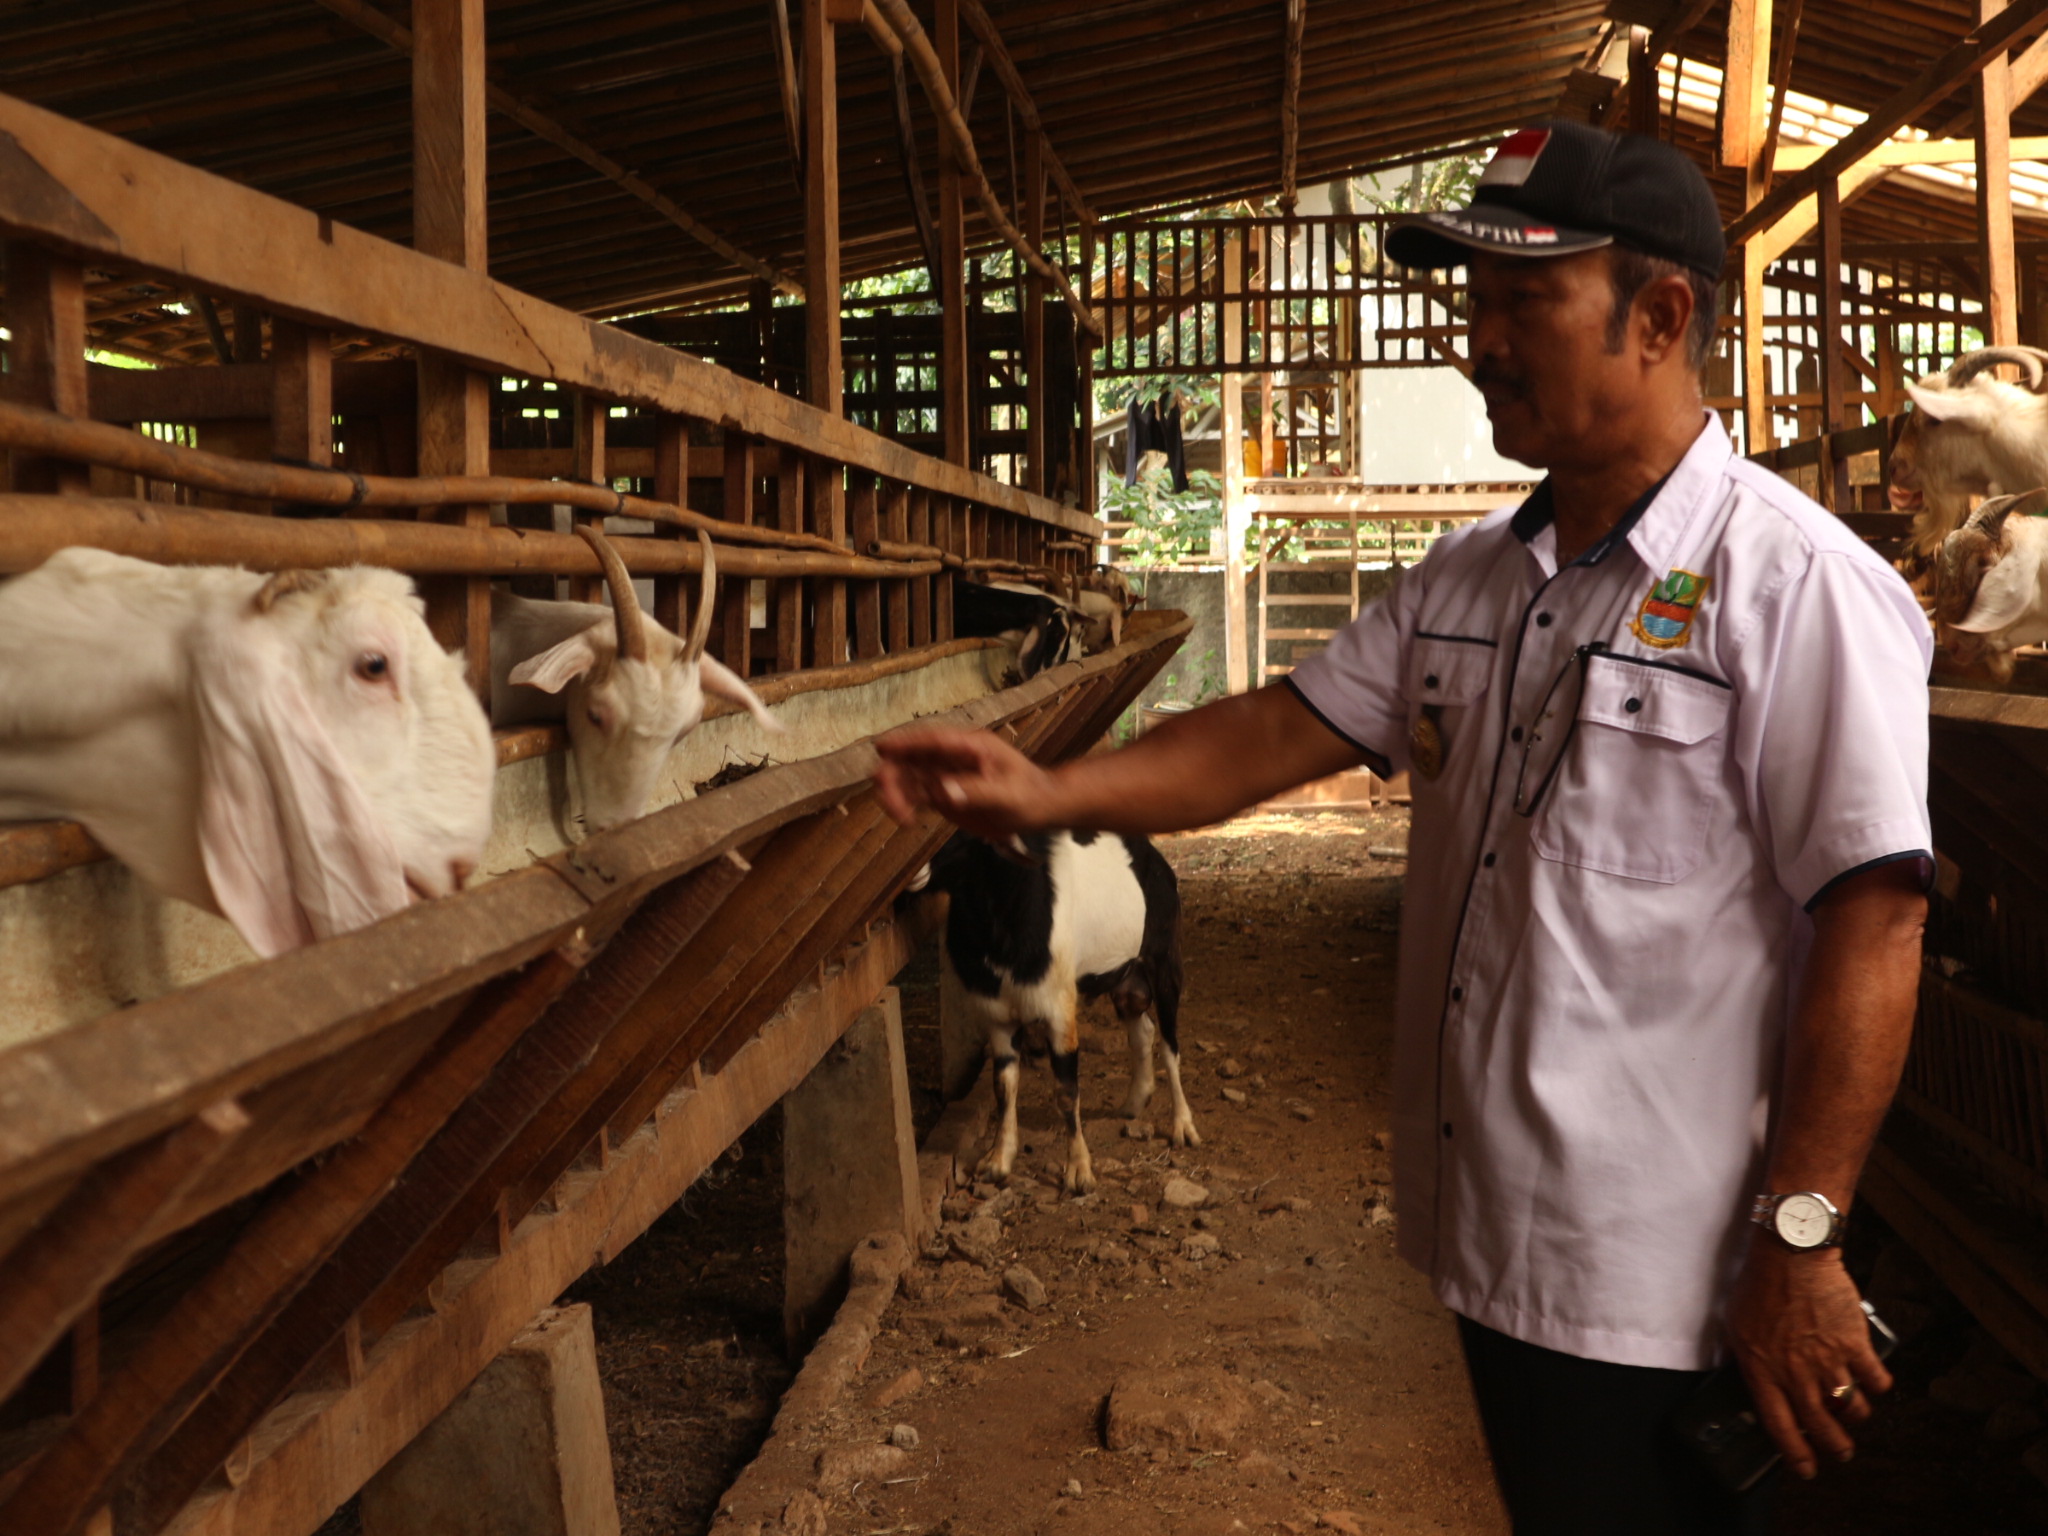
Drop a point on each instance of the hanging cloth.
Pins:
(1141, 436)
(1167, 439)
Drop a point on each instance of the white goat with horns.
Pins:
(293, 752)
(1971, 434)
(626, 688)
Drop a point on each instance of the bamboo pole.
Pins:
(926, 61)
(32, 528)
(93, 442)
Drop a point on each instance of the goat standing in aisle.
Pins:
(627, 690)
(293, 752)
(1061, 917)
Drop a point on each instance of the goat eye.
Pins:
(596, 718)
(372, 667)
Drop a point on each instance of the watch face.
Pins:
(1803, 1221)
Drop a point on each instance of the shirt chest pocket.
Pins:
(1640, 774)
(1448, 678)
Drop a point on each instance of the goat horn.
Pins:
(707, 596)
(2029, 359)
(625, 605)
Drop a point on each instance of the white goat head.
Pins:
(1991, 582)
(295, 753)
(631, 690)
(1971, 434)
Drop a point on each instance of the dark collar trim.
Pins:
(1540, 511)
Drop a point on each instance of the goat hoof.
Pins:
(1080, 1181)
(1185, 1135)
(1134, 1106)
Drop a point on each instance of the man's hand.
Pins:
(1798, 1329)
(974, 779)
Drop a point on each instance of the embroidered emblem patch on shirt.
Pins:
(1665, 618)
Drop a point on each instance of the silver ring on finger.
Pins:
(1844, 1392)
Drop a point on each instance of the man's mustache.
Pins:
(1492, 376)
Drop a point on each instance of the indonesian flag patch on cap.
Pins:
(1515, 159)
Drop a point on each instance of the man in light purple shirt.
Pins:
(1666, 724)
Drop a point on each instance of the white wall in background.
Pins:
(1425, 426)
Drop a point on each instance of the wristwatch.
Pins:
(1802, 1220)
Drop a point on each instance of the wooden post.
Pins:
(302, 393)
(896, 528)
(849, 1164)
(588, 416)
(45, 311)
(1237, 672)
(672, 484)
(1744, 127)
(523, 1449)
(953, 362)
(1994, 194)
(1834, 467)
(863, 516)
(1037, 440)
(787, 603)
(449, 222)
(823, 361)
(1642, 83)
(922, 588)
(1085, 468)
(736, 600)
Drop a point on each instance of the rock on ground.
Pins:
(1191, 1408)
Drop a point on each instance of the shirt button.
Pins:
(1447, 1130)
(1543, 621)
(1487, 861)
(1457, 994)
(1515, 734)
(1429, 681)
(1633, 705)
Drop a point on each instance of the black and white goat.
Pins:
(1058, 917)
(1045, 630)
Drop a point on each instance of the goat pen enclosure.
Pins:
(259, 1222)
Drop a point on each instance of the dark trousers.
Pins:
(1585, 1448)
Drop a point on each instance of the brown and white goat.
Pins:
(1971, 434)
(1991, 583)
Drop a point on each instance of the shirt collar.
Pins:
(1655, 523)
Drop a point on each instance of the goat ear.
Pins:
(559, 665)
(2003, 596)
(293, 851)
(717, 678)
(1960, 405)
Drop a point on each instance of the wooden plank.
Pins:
(1985, 43)
(1037, 438)
(671, 484)
(1290, 104)
(45, 315)
(896, 526)
(1896, 152)
(587, 418)
(822, 353)
(786, 598)
(49, 1280)
(213, 1321)
(1834, 466)
(736, 601)
(921, 588)
(954, 421)
(320, 1453)
(103, 197)
(2028, 711)
(1748, 56)
(1994, 194)
(863, 517)
(302, 394)
(531, 1073)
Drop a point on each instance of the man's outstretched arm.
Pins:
(1190, 772)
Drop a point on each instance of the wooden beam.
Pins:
(450, 221)
(1894, 152)
(998, 57)
(1290, 104)
(954, 423)
(102, 198)
(822, 358)
(953, 126)
(787, 85)
(1835, 475)
(1781, 84)
(1037, 439)
(1642, 83)
(913, 176)
(1987, 42)
(45, 313)
(1994, 194)
(531, 115)
(302, 395)
(1743, 102)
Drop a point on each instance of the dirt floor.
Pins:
(1259, 1361)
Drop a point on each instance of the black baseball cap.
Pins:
(1558, 188)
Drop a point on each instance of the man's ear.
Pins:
(1665, 307)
